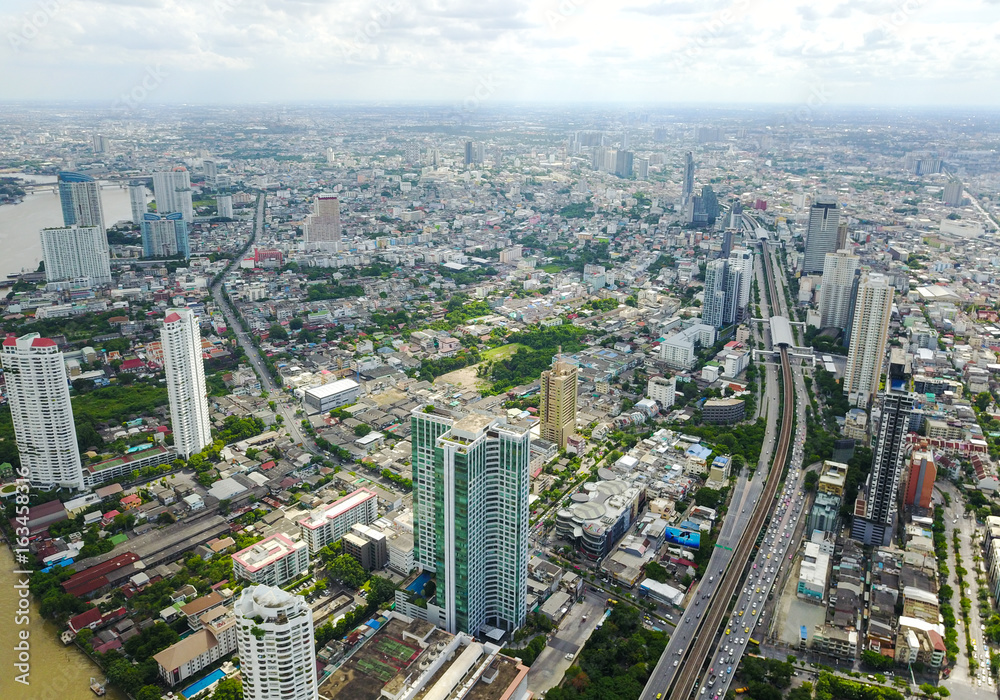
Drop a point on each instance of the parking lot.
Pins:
(567, 641)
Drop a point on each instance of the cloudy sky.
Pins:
(885, 52)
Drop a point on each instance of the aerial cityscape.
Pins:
(419, 353)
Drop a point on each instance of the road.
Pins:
(963, 684)
(693, 640)
(284, 409)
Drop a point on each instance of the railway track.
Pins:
(685, 682)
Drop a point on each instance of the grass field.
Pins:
(551, 268)
(502, 351)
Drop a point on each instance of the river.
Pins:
(20, 223)
(57, 672)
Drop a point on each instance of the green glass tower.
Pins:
(470, 501)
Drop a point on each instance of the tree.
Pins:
(277, 332)
(346, 569)
(362, 430)
(149, 692)
(876, 661)
(295, 324)
(228, 689)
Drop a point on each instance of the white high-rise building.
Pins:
(41, 410)
(73, 252)
(172, 191)
(821, 234)
(739, 271)
(952, 193)
(868, 337)
(224, 205)
(835, 289)
(137, 198)
(276, 645)
(713, 307)
(185, 370)
(323, 225)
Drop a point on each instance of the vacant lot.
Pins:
(465, 378)
(502, 351)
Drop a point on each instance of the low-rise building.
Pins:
(329, 523)
(273, 561)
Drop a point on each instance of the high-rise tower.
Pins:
(323, 225)
(74, 252)
(687, 187)
(470, 496)
(835, 289)
(276, 645)
(80, 199)
(713, 308)
(869, 333)
(41, 411)
(172, 191)
(185, 370)
(821, 234)
(875, 508)
(557, 404)
(164, 235)
(137, 198)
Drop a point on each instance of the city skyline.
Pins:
(471, 54)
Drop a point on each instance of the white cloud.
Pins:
(662, 50)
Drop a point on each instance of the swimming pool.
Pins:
(195, 688)
(418, 584)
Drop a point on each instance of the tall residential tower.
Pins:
(172, 191)
(835, 289)
(80, 198)
(875, 508)
(185, 370)
(276, 645)
(42, 413)
(869, 333)
(76, 252)
(470, 502)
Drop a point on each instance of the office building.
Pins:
(164, 235)
(172, 191)
(224, 206)
(687, 187)
(835, 289)
(328, 523)
(470, 495)
(274, 561)
(557, 404)
(821, 234)
(137, 198)
(322, 227)
(953, 193)
(40, 408)
(868, 337)
(662, 390)
(713, 307)
(80, 199)
(180, 338)
(276, 645)
(679, 350)
(920, 479)
(76, 252)
(875, 509)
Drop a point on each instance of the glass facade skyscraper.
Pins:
(470, 495)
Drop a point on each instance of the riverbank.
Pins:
(57, 672)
